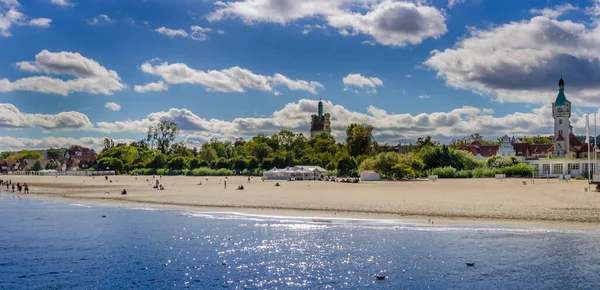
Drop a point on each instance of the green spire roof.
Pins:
(561, 99)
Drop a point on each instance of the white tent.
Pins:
(369, 175)
(304, 172)
(47, 172)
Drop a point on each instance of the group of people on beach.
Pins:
(21, 188)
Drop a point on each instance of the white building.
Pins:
(506, 148)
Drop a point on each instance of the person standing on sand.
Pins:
(248, 179)
(225, 184)
(13, 188)
(26, 188)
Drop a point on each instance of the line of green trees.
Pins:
(160, 154)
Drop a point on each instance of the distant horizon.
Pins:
(75, 72)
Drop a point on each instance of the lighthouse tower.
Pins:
(561, 112)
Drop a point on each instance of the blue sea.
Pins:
(55, 245)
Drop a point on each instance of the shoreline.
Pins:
(317, 215)
(460, 202)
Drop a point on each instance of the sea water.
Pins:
(54, 245)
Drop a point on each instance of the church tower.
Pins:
(561, 112)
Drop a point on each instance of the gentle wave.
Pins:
(80, 205)
(325, 222)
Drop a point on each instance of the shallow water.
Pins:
(51, 245)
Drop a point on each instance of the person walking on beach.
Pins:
(13, 188)
(248, 179)
(225, 184)
(26, 188)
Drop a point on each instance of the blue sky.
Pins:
(409, 68)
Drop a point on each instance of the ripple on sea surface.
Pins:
(56, 245)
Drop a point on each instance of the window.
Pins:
(557, 168)
(546, 168)
(560, 121)
(573, 166)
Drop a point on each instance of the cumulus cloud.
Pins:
(554, 12)
(113, 106)
(12, 118)
(63, 3)
(100, 18)
(526, 68)
(10, 15)
(233, 79)
(394, 23)
(388, 127)
(368, 84)
(14, 144)
(90, 76)
(388, 22)
(151, 87)
(40, 22)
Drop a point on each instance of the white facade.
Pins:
(558, 167)
(506, 148)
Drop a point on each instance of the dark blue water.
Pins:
(52, 245)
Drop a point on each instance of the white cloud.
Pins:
(423, 96)
(526, 68)
(555, 12)
(151, 87)
(393, 23)
(199, 33)
(369, 84)
(388, 127)
(388, 22)
(99, 18)
(14, 144)
(63, 3)
(233, 79)
(90, 76)
(9, 16)
(172, 32)
(408, 76)
(196, 32)
(12, 118)
(113, 106)
(40, 22)
(452, 3)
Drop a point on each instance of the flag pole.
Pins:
(595, 147)
(587, 137)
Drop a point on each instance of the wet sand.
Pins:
(463, 201)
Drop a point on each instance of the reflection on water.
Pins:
(54, 245)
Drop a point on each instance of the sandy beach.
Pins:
(450, 201)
